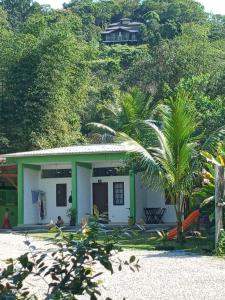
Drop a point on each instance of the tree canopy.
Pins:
(55, 73)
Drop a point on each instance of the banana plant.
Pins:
(219, 162)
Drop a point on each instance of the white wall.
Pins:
(140, 195)
(145, 197)
(170, 214)
(83, 192)
(48, 185)
(31, 182)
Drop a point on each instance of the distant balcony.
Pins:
(110, 41)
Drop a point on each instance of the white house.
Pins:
(87, 175)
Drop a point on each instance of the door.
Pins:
(100, 196)
(119, 206)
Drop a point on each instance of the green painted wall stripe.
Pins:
(74, 186)
(132, 195)
(20, 194)
(68, 158)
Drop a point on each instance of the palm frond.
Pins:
(213, 139)
(102, 127)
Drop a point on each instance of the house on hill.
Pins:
(53, 180)
(123, 32)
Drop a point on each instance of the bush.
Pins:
(67, 267)
(220, 247)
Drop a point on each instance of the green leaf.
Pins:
(132, 259)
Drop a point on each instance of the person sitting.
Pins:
(59, 222)
(6, 222)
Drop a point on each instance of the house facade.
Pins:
(123, 32)
(52, 181)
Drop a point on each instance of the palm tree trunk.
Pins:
(179, 204)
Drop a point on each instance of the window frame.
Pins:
(115, 203)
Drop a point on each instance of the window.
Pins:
(113, 171)
(61, 195)
(56, 173)
(118, 193)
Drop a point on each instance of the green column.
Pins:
(74, 186)
(132, 196)
(20, 194)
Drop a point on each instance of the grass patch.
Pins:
(149, 241)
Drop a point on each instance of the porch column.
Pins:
(132, 196)
(74, 187)
(20, 185)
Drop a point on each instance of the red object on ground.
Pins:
(6, 223)
(191, 219)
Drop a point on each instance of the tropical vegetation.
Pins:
(56, 75)
(66, 268)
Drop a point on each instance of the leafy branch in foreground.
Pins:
(68, 266)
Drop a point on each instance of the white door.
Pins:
(119, 199)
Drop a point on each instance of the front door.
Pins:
(100, 196)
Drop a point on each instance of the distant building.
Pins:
(123, 32)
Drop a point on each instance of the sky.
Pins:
(214, 6)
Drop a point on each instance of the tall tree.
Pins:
(19, 10)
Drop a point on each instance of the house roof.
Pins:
(81, 149)
(124, 24)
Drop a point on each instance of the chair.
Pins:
(154, 215)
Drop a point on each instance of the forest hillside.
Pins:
(56, 75)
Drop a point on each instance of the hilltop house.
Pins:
(53, 180)
(122, 32)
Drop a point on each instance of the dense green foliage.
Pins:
(56, 75)
(66, 268)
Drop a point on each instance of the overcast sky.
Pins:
(215, 6)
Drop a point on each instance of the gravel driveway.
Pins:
(163, 275)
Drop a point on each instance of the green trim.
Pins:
(84, 165)
(74, 187)
(68, 158)
(33, 167)
(132, 196)
(20, 194)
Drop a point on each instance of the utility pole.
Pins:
(219, 200)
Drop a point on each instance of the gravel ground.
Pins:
(164, 275)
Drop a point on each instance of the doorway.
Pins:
(100, 196)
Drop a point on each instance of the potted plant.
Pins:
(72, 214)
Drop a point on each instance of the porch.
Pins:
(50, 190)
(107, 184)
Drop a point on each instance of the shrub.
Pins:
(220, 247)
(68, 266)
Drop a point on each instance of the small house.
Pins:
(53, 180)
(123, 32)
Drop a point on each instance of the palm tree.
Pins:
(172, 164)
(127, 114)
